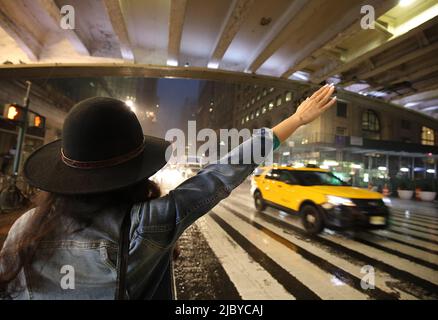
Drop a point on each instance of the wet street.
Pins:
(268, 256)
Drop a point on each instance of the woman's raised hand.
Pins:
(307, 111)
(315, 105)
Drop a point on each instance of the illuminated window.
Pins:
(247, 118)
(288, 96)
(252, 101)
(427, 136)
(278, 101)
(257, 113)
(271, 104)
(252, 116)
(370, 125)
(265, 92)
(258, 97)
(271, 89)
(263, 109)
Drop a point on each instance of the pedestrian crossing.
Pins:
(269, 256)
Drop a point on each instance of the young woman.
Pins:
(96, 192)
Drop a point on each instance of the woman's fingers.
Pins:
(320, 92)
(328, 104)
(315, 105)
(326, 96)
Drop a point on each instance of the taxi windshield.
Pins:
(318, 178)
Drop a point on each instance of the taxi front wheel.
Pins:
(259, 203)
(312, 219)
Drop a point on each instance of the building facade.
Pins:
(361, 139)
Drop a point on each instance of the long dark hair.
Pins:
(50, 208)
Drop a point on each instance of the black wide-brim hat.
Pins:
(102, 149)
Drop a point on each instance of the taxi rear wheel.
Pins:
(259, 203)
(312, 219)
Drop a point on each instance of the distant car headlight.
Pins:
(337, 201)
(387, 202)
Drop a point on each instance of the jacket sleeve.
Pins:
(199, 194)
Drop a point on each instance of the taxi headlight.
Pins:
(337, 201)
(387, 202)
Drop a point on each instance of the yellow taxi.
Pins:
(321, 198)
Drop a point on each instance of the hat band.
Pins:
(102, 163)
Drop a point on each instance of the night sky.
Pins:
(172, 94)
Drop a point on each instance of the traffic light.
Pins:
(35, 120)
(13, 112)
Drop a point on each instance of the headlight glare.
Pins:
(387, 202)
(337, 201)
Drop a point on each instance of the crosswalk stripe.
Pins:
(337, 258)
(414, 217)
(405, 226)
(289, 282)
(251, 280)
(419, 244)
(395, 266)
(287, 255)
(412, 234)
(326, 267)
(432, 215)
(412, 256)
(417, 224)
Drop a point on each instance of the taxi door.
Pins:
(287, 190)
(268, 185)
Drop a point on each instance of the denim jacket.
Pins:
(82, 265)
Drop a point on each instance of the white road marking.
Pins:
(324, 284)
(417, 242)
(382, 278)
(251, 280)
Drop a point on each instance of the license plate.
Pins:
(377, 220)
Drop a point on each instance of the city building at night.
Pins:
(362, 138)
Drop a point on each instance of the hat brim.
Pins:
(45, 170)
